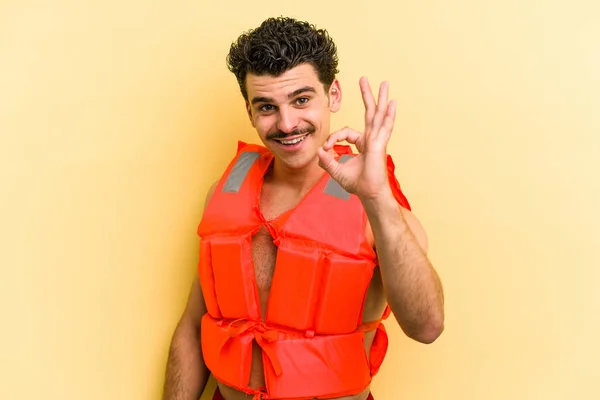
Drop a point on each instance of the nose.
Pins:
(287, 121)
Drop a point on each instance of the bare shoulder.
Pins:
(211, 191)
(414, 225)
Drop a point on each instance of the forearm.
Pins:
(186, 373)
(413, 288)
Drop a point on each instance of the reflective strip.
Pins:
(333, 188)
(239, 171)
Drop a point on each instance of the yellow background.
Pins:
(116, 116)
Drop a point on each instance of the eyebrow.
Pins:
(295, 93)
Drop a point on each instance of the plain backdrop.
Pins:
(116, 116)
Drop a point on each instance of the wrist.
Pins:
(382, 202)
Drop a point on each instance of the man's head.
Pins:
(286, 70)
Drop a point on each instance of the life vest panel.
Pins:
(312, 336)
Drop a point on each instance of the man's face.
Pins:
(291, 113)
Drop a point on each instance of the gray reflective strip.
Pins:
(239, 171)
(333, 188)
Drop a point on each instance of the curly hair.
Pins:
(280, 44)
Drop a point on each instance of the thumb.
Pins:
(328, 162)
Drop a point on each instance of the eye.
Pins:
(302, 101)
(266, 108)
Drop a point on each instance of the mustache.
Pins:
(282, 135)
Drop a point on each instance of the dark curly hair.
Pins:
(280, 44)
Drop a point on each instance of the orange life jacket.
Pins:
(312, 334)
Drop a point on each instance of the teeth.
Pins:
(293, 141)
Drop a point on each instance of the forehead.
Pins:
(278, 87)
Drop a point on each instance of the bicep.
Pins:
(195, 307)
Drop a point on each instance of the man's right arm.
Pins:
(186, 374)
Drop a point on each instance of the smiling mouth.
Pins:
(289, 142)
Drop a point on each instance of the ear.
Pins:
(249, 111)
(335, 96)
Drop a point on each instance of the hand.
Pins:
(364, 175)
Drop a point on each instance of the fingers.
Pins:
(369, 100)
(375, 113)
(347, 134)
(390, 117)
(380, 116)
(382, 106)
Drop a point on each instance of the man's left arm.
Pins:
(412, 286)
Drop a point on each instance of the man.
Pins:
(305, 247)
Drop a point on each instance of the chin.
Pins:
(297, 161)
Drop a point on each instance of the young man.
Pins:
(305, 247)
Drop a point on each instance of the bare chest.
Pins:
(264, 255)
(264, 251)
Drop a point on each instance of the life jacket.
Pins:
(312, 334)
